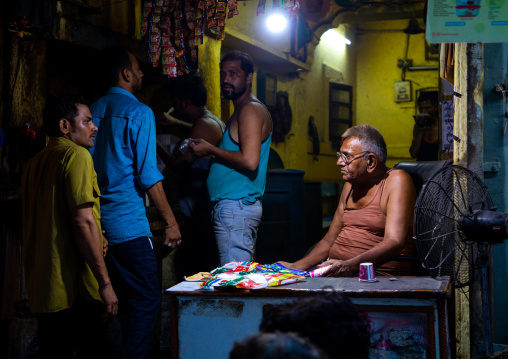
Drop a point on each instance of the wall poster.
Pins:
(447, 121)
(467, 21)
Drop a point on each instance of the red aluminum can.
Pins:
(367, 272)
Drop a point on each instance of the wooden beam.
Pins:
(84, 34)
(468, 127)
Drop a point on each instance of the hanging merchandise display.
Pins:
(290, 7)
(173, 29)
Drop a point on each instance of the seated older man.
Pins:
(374, 219)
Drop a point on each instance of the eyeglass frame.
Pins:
(347, 162)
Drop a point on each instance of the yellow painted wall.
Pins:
(315, 95)
(308, 92)
(369, 64)
(377, 73)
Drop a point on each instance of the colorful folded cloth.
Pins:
(252, 275)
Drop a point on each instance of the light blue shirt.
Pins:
(125, 162)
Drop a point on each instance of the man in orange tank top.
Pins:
(374, 219)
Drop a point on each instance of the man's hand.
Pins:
(200, 147)
(110, 301)
(172, 236)
(286, 264)
(104, 244)
(338, 268)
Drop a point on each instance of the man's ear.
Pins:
(65, 126)
(249, 78)
(372, 162)
(126, 74)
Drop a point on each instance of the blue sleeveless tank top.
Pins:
(225, 182)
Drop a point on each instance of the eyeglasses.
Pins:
(347, 159)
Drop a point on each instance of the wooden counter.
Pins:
(407, 314)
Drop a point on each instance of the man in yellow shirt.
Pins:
(66, 277)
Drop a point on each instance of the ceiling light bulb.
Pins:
(333, 37)
(277, 21)
(345, 39)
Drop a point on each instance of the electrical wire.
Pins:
(404, 68)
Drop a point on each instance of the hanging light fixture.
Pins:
(413, 27)
(277, 20)
(333, 37)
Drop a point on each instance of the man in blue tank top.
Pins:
(237, 178)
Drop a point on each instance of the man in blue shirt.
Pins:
(125, 162)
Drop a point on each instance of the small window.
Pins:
(267, 89)
(341, 111)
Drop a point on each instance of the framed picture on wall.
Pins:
(403, 330)
(403, 91)
(431, 51)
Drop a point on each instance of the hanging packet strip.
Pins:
(261, 7)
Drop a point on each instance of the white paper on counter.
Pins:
(185, 287)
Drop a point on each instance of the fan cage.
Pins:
(446, 198)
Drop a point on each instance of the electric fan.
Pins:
(455, 224)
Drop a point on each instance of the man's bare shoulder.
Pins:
(400, 188)
(207, 129)
(399, 180)
(206, 122)
(255, 110)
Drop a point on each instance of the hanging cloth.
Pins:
(313, 133)
(282, 117)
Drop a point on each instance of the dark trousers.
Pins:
(78, 328)
(132, 269)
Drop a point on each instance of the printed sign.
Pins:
(467, 21)
(447, 121)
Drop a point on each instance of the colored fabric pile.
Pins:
(252, 275)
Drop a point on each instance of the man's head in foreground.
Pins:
(328, 320)
(68, 116)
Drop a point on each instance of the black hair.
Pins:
(431, 96)
(246, 63)
(276, 345)
(58, 107)
(115, 59)
(191, 88)
(329, 320)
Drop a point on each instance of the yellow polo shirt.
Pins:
(54, 181)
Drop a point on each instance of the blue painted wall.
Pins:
(496, 150)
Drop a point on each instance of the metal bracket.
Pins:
(404, 63)
(491, 166)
